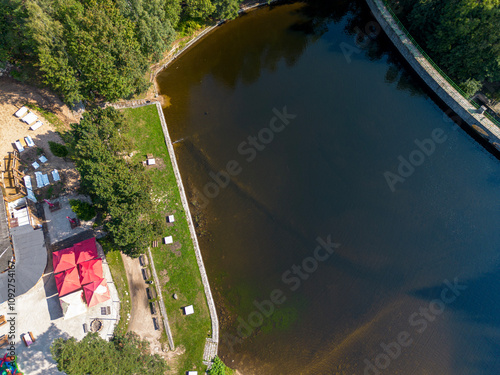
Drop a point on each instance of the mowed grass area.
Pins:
(117, 268)
(177, 269)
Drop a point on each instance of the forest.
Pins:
(461, 36)
(96, 50)
(100, 50)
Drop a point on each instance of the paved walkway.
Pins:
(436, 82)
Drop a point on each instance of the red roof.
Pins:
(85, 250)
(67, 281)
(96, 292)
(63, 260)
(90, 271)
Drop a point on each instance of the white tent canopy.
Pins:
(72, 304)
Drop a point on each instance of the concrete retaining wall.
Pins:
(432, 78)
(212, 344)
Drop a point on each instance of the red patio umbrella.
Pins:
(90, 271)
(63, 260)
(96, 292)
(85, 250)
(67, 281)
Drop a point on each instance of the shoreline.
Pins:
(476, 121)
(212, 344)
(159, 67)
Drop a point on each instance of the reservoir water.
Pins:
(348, 226)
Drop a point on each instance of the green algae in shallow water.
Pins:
(282, 319)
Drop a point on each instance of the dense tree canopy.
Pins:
(95, 49)
(123, 355)
(462, 36)
(119, 189)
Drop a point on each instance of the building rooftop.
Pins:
(31, 258)
(5, 245)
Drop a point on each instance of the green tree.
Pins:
(123, 355)
(461, 36)
(153, 26)
(199, 8)
(119, 189)
(226, 9)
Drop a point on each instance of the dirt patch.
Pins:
(17, 94)
(141, 320)
(13, 95)
(175, 248)
(164, 278)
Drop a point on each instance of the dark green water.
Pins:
(385, 282)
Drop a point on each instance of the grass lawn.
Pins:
(117, 268)
(177, 269)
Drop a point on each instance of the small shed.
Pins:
(168, 240)
(170, 219)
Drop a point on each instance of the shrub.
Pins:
(83, 210)
(471, 86)
(58, 149)
(218, 367)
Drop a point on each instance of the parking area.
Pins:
(141, 321)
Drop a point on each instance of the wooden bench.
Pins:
(155, 243)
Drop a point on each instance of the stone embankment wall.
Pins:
(451, 97)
